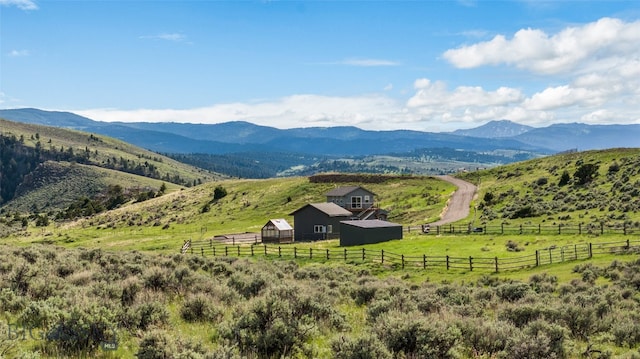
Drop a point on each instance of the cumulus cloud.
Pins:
(371, 112)
(21, 4)
(537, 51)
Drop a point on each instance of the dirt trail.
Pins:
(458, 205)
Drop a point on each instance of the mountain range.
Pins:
(239, 136)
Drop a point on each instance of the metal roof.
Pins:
(281, 224)
(328, 208)
(371, 223)
(343, 191)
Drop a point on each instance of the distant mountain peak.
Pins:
(495, 129)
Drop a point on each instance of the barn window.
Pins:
(366, 199)
(319, 228)
(329, 228)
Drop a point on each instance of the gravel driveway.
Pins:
(458, 205)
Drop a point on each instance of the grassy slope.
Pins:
(164, 222)
(609, 199)
(107, 148)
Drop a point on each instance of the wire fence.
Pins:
(546, 256)
(550, 229)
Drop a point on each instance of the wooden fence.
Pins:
(503, 228)
(545, 256)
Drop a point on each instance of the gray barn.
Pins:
(316, 221)
(354, 233)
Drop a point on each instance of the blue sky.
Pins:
(379, 65)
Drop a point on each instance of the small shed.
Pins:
(358, 232)
(277, 231)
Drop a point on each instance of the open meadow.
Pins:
(116, 285)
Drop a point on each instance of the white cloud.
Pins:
(369, 62)
(534, 50)
(436, 94)
(18, 53)
(21, 4)
(175, 37)
(371, 112)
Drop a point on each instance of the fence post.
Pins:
(624, 228)
(403, 261)
(279, 251)
(310, 253)
(550, 256)
(559, 228)
(238, 250)
(202, 251)
(327, 253)
(561, 254)
(362, 253)
(233, 239)
(265, 250)
(252, 251)
(447, 262)
(437, 229)
(520, 228)
(226, 251)
(628, 245)
(424, 261)
(214, 251)
(539, 228)
(590, 251)
(210, 242)
(537, 258)
(470, 264)
(575, 250)
(345, 254)
(382, 256)
(295, 253)
(496, 260)
(579, 228)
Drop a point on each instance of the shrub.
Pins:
(248, 285)
(270, 328)
(144, 316)
(512, 292)
(486, 338)
(82, 330)
(200, 308)
(364, 347)
(413, 334)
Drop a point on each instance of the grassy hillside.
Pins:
(166, 221)
(590, 187)
(106, 152)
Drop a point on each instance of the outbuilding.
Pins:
(277, 231)
(356, 232)
(316, 221)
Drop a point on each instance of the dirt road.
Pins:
(458, 206)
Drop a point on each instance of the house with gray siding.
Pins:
(317, 221)
(358, 232)
(359, 200)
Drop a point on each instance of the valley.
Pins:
(94, 251)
